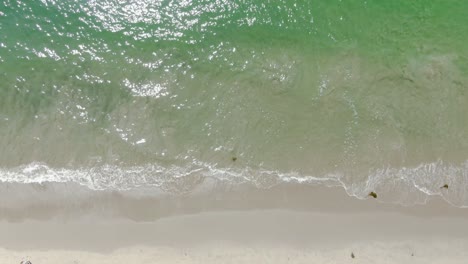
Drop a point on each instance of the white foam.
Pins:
(399, 185)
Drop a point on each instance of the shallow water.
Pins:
(369, 95)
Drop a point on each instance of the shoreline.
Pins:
(299, 224)
(69, 202)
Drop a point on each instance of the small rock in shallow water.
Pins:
(445, 186)
(373, 194)
(352, 255)
(26, 262)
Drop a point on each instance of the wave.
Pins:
(125, 95)
(405, 186)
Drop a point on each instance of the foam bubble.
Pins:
(406, 185)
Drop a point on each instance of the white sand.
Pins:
(374, 232)
(226, 253)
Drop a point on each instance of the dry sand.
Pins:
(288, 224)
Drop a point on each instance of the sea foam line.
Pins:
(406, 185)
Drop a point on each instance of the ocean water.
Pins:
(371, 95)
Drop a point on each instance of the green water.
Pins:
(370, 95)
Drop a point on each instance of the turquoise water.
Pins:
(368, 95)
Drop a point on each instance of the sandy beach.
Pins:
(233, 131)
(287, 224)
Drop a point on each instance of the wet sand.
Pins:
(286, 224)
